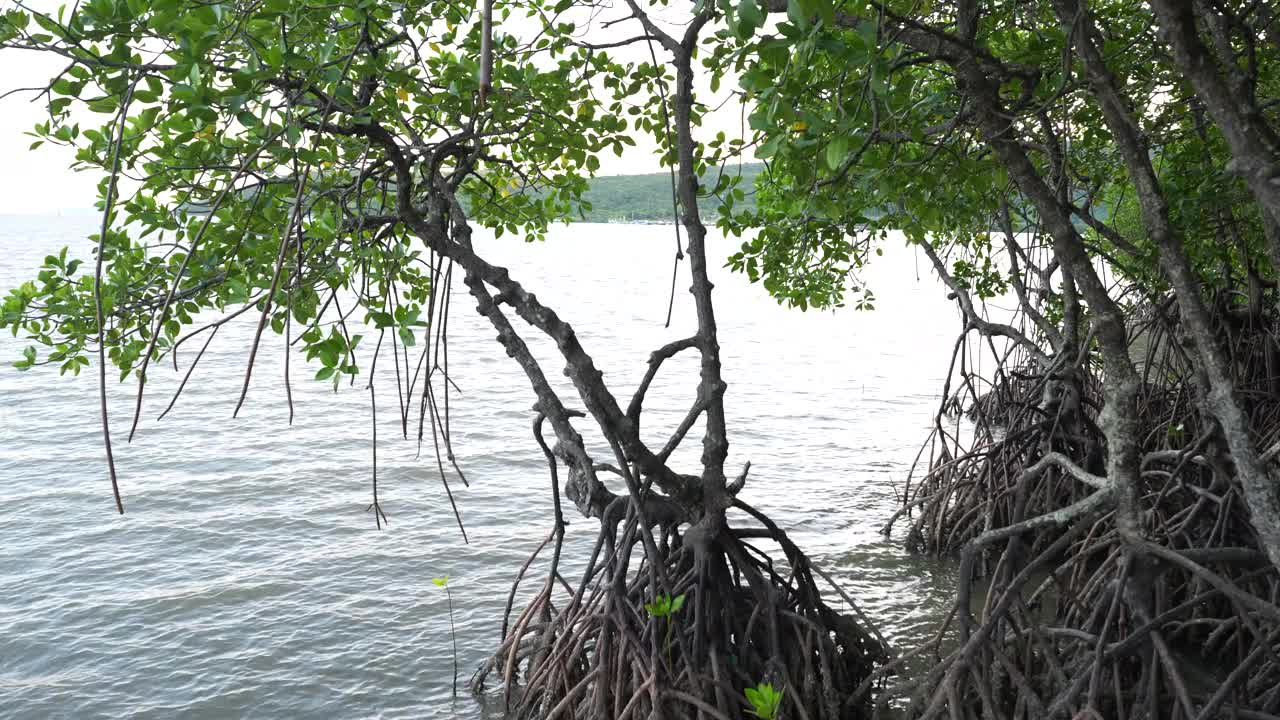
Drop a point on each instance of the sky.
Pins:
(41, 181)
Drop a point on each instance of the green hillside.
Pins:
(647, 198)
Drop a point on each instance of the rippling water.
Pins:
(247, 578)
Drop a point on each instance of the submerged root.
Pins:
(1059, 614)
(665, 624)
(1096, 627)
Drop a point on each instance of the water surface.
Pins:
(247, 578)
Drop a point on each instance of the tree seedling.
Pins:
(665, 606)
(453, 633)
(765, 701)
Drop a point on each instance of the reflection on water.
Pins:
(247, 577)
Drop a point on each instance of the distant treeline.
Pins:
(624, 198)
(647, 198)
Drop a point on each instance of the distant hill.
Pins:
(647, 198)
(631, 198)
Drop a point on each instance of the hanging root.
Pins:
(671, 624)
(1061, 615)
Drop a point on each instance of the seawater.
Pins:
(247, 578)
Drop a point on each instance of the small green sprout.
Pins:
(765, 701)
(453, 632)
(665, 605)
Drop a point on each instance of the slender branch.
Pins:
(108, 206)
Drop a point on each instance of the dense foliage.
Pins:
(265, 121)
(867, 126)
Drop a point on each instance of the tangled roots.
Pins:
(667, 625)
(1071, 618)
(975, 482)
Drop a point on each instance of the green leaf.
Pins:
(797, 14)
(104, 105)
(837, 150)
(769, 149)
(750, 18)
(765, 701)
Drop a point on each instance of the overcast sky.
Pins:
(34, 181)
(40, 181)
